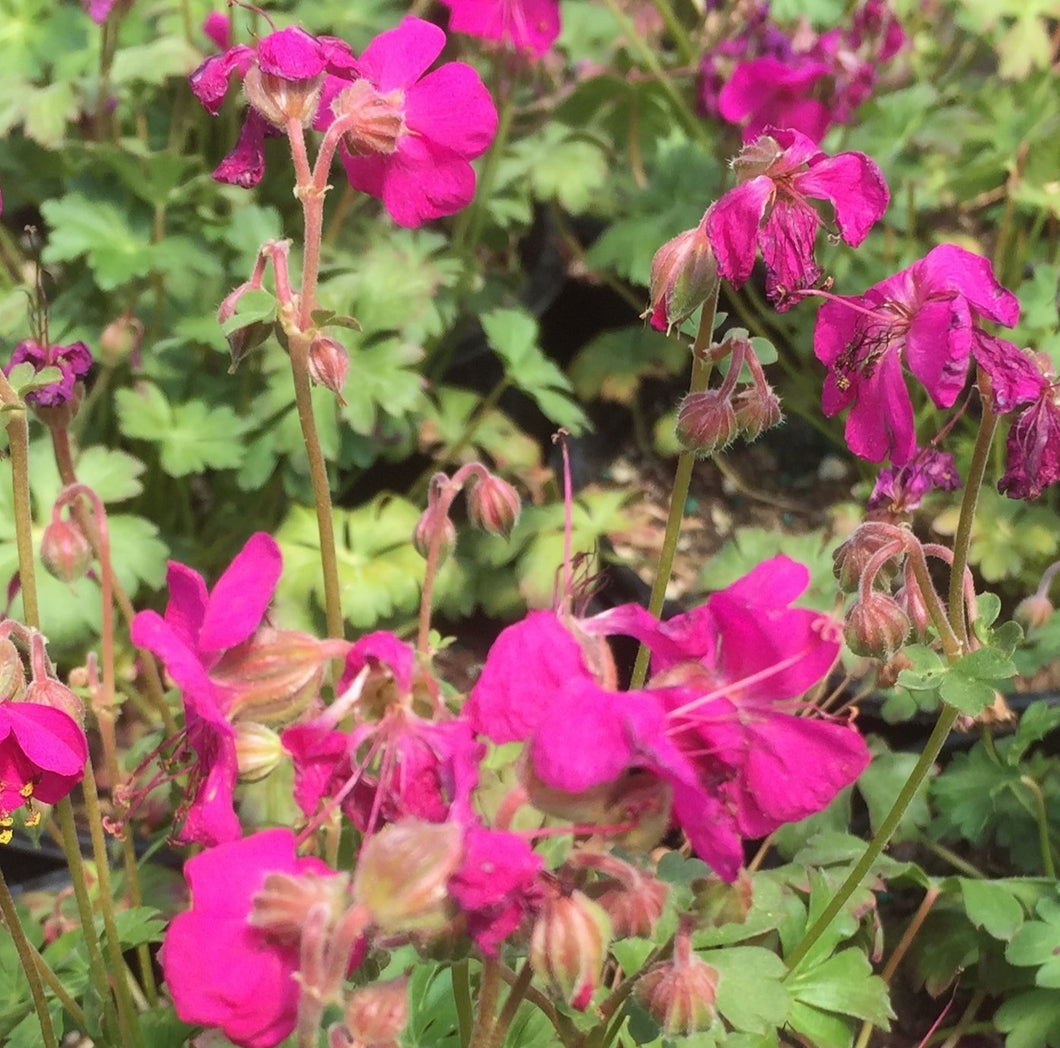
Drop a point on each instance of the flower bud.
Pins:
(12, 672)
(706, 422)
(375, 1015)
(851, 557)
(47, 691)
(259, 751)
(684, 274)
(403, 873)
(374, 121)
(876, 627)
(493, 505)
(757, 409)
(65, 552)
(282, 906)
(568, 946)
(679, 994)
(911, 600)
(273, 676)
(1034, 611)
(120, 339)
(279, 100)
(423, 534)
(329, 363)
(634, 905)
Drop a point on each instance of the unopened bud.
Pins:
(279, 100)
(757, 409)
(273, 676)
(876, 627)
(1034, 611)
(634, 903)
(423, 534)
(493, 505)
(568, 946)
(852, 556)
(282, 906)
(911, 600)
(259, 751)
(329, 363)
(679, 994)
(684, 274)
(120, 339)
(374, 121)
(403, 873)
(47, 691)
(375, 1015)
(65, 552)
(706, 422)
(12, 672)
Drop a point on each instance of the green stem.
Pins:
(962, 540)
(488, 995)
(96, 969)
(25, 952)
(128, 1018)
(951, 857)
(682, 480)
(54, 984)
(515, 997)
(460, 975)
(1042, 819)
(18, 445)
(681, 38)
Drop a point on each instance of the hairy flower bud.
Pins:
(403, 872)
(876, 627)
(1034, 611)
(679, 994)
(65, 552)
(273, 676)
(706, 422)
(47, 691)
(282, 906)
(568, 946)
(757, 409)
(120, 339)
(329, 363)
(911, 600)
(259, 751)
(493, 505)
(375, 1015)
(684, 275)
(851, 557)
(632, 898)
(423, 534)
(12, 672)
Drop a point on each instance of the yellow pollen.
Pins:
(26, 791)
(33, 819)
(5, 836)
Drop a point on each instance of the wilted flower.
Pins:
(73, 362)
(901, 489)
(1032, 460)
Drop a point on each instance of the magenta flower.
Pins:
(283, 77)
(717, 723)
(1033, 447)
(769, 92)
(42, 757)
(923, 318)
(99, 10)
(901, 489)
(218, 27)
(73, 362)
(221, 970)
(392, 763)
(525, 25)
(191, 639)
(780, 173)
(411, 136)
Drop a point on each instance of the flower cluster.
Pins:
(407, 136)
(762, 75)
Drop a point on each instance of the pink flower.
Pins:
(411, 136)
(73, 362)
(221, 970)
(199, 627)
(1033, 447)
(767, 92)
(99, 10)
(218, 27)
(392, 763)
(526, 25)
(901, 489)
(922, 318)
(42, 756)
(780, 173)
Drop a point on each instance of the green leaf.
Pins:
(751, 993)
(565, 165)
(842, 984)
(1030, 1020)
(154, 61)
(47, 112)
(613, 365)
(970, 684)
(1037, 944)
(992, 907)
(255, 305)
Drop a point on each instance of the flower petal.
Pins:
(241, 595)
(400, 56)
(732, 224)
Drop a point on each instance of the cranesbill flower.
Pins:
(525, 25)
(901, 489)
(779, 174)
(1032, 459)
(221, 969)
(42, 757)
(923, 318)
(73, 362)
(191, 638)
(411, 135)
(769, 92)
